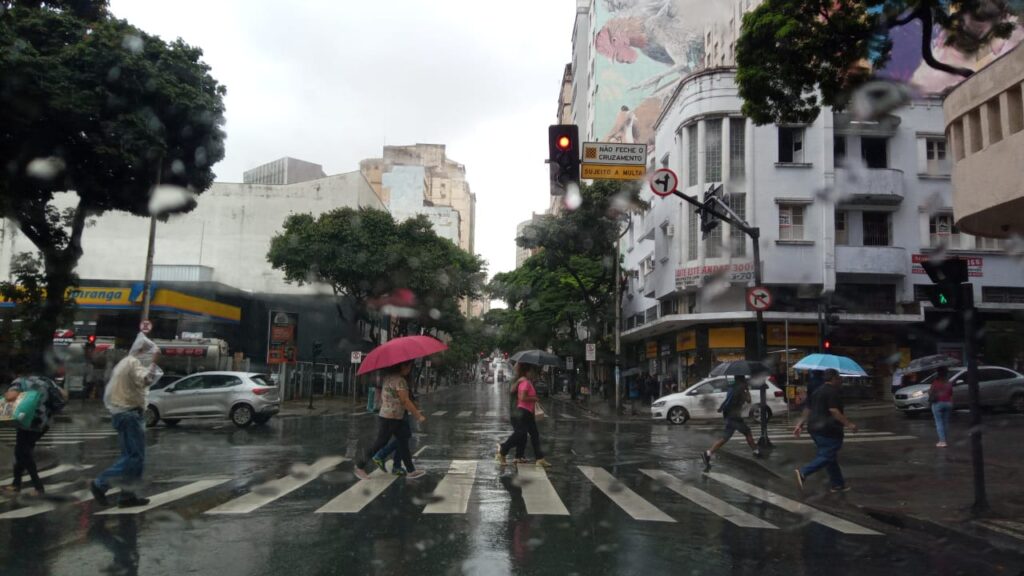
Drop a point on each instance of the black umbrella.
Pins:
(930, 363)
(537, 358)
(740, 368)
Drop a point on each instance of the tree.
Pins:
(366, 255)
(794, 56)
(93, 106)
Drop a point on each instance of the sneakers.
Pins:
(380, 464)
(521, 461)
(361, 474)
(399, 472)
(132, 501)
(799, 480)
(706, 457)
(542, 462)
(499, 457)
(99, 495)
(416, 474)
(843, 488)
(757, 452)
(940, 445)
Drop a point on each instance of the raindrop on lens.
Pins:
(435, 314)
(132, 43)
(573, 198)
(45, 168)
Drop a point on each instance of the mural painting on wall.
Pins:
(643, 48)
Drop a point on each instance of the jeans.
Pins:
(24, 458)
(941, 412)
(827, 458)
(131, 435)
(523, 424)
(401, 431)
(392, 448)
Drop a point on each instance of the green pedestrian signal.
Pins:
(943, 300)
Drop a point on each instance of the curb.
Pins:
(965, 534)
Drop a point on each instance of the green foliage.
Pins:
(365, 254)
(794, 56)
(27, 291)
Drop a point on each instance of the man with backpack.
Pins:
(732, 412)
(49, 400)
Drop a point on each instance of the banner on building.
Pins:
(737, 272)
(974, 264)
(686, 340)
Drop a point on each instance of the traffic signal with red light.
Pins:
(827, 345)
(563, 157)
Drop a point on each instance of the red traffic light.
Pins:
(92, 339)
(827, 345)
(564, 143)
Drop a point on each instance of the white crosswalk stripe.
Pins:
(630, 502)
(359, 495)
(58, 469)
(269, 491)
(708, 502)
(167, 497)
(452, 493)
(538, 493)
(464, 414)
(440, 413)
(567, 416)
(491, 413)
(813, 514)
(49, 506)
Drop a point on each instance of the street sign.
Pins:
(145, 326)
(591, 352)
(568, 363)
(614, 161)
(357, 357)
(664, 182)
(759, 298)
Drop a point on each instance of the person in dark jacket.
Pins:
(732, 413)
(26, 438)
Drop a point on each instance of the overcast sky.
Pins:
(332, 81)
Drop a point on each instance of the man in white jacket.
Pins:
(125, 398)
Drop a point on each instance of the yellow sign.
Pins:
(131, 298)
(611, 172)
(652, 350)
(799, 335)
(726, 337)
(686, 340)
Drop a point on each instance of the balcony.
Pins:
(880, 186)
(882, 260)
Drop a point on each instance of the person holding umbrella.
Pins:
(396, 356)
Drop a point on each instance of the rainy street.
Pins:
(621, 497)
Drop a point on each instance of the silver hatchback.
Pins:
(243, 397)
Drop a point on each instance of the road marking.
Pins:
(269, 491)
(360, 413)
(464, 413)
(440, 413)
(568, 416)
(538, 493)
(813, 514)
(420, 451)
(49, 443)
(29, 511)
(630, 502)
(452, 493)
(54, 471)
(491, 413)
(51, 434)
(847, 440)
(708, 502)
(359, 495)
(1005, 527)
(168, 497)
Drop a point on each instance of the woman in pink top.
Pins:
(524, 423)
(941, 396)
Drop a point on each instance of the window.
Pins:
(942, 232)
(957, 134)
(193, 383)
(713, 150)
(995, 123)
(669, 307)
(791, 145)
(791, 222)
(842, 236)
(877, 229)
(839, 150)
(713, 244)
(1002, 294)
(974, 130)
(989, 243)
(936, 160)
(866, 298)
(691, 234)
(691, 154)
(994, 374)
(875, 151)
(220, 381)
(1015, 110)
(738, 204)
(737, 148)
(651, 314)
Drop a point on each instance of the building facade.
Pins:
(284, 171)
(407, 190)
(846, 210)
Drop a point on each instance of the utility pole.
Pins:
(148, 282)
(618, 317)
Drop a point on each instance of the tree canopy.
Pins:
(794, 56)
(92, 105)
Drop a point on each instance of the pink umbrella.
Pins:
(400, 350)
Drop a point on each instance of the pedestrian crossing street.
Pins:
(59, 436)
(453, 494)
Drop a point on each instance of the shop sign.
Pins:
(281, 343)
(686, 340)
(737, 272)
(666, 349)
(652, 350)
(975, 265)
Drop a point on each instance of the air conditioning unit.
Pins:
(671, 230)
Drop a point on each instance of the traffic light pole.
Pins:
(974, 396)
(729, 216)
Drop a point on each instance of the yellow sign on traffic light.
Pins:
(612, 172)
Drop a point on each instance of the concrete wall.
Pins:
(407, 190)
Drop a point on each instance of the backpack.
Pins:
(55, 401)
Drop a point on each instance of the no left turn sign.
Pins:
(759, 298)
(664, 182)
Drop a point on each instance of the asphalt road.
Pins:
(619, 499)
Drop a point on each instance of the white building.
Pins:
(842, 207)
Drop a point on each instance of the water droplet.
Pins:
(45, 168)
(133, 43)
(435, 314)
(178, 168)
(114, 74)
(573, 198)
(167, 199)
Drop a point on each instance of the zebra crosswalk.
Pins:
(651, 495)
(58, 436)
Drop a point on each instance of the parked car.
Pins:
(165, 381)
(702, 400)
(998, 387)
(243, 397)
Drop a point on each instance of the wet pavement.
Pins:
(621, 498)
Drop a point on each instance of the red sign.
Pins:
(974, 264)
(184, 351)
(63, 336)
(759, 298)
(281, 345)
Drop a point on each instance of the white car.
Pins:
(701, 401)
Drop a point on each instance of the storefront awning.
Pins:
(130, 298)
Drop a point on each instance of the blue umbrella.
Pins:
(845, 366)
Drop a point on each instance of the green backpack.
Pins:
(26, 408)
